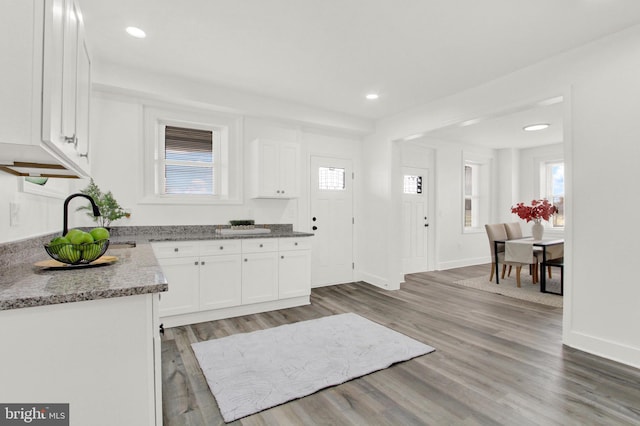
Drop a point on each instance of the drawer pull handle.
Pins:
(281, 257)
(245, 260)
(295, 244)
(202, 263)
(221, 248)
(175, 249)
(260, 245)
(195, 263)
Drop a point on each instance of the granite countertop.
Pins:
(22, 284)
(135, 272)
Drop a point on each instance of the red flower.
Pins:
(539, 209)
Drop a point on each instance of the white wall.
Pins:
(118, 156)
(38, 215)
(600, 86)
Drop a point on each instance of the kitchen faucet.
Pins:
(96, 210)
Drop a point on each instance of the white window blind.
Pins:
(189, 161)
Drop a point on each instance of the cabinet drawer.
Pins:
(259, 245)
(170, 250)
(286, 244)
(220, 247)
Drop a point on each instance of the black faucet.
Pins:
(96, 210)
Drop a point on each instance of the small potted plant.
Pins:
(110, 210)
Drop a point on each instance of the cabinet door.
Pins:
(183, 275)
(83, 104)
(289, 170)
(220, 281)
(259, 277)
(53, 65)
(268, 169)
(294, 274)
(70, 68)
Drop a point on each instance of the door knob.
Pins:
(314, 228)
(314, 219)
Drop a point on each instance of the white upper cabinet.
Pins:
(275, 168)
(45, 92)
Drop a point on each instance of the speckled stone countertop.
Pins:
(198, 232)
(22, 284)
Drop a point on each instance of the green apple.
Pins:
(73, 232)
(99, 234)
(69, 254)
(81, 238)
(91, 252)
(57, 243)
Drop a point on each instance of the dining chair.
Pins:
(498, 232)
(514, 230)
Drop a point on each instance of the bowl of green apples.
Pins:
(78, 247)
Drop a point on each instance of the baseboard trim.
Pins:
(608, 349)
(460, 263)
(235, 311)
(377, 281)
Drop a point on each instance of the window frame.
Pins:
(229, 173)
(546, 175)
(215, 162)
(481, 165)
(473, 197)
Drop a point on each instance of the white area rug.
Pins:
(250, 372)
(527, 291)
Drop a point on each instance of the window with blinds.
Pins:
(189, 161)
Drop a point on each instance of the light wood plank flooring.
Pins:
(498, 361)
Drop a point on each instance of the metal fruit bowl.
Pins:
(77, 254)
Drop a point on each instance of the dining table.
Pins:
(525, 247)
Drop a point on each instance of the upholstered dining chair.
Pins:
(498, 232)
(514, 230)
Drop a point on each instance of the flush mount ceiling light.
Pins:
(534, 127)
(136, 32)
(372, 96)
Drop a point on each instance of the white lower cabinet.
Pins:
(101, 356)
(220, 281)
(295, 274)
(217, 279)
(259, 277)
(184, 275)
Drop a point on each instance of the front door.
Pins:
(415, 220)
(331, 221)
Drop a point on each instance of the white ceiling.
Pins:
(330, 53)
(506, 130)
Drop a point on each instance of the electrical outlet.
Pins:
(14, 213)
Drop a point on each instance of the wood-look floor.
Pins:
(498, 360)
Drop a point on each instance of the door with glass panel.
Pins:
(331, 221)
(415, 220)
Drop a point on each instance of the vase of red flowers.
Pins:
(538, 211)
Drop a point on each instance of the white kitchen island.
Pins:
(86, 337)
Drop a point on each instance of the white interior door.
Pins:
(331, 221)
(415, 220)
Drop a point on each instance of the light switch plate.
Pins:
(14, 213)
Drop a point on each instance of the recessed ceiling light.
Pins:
(136, 32)
(372, 96)
(534, 127)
